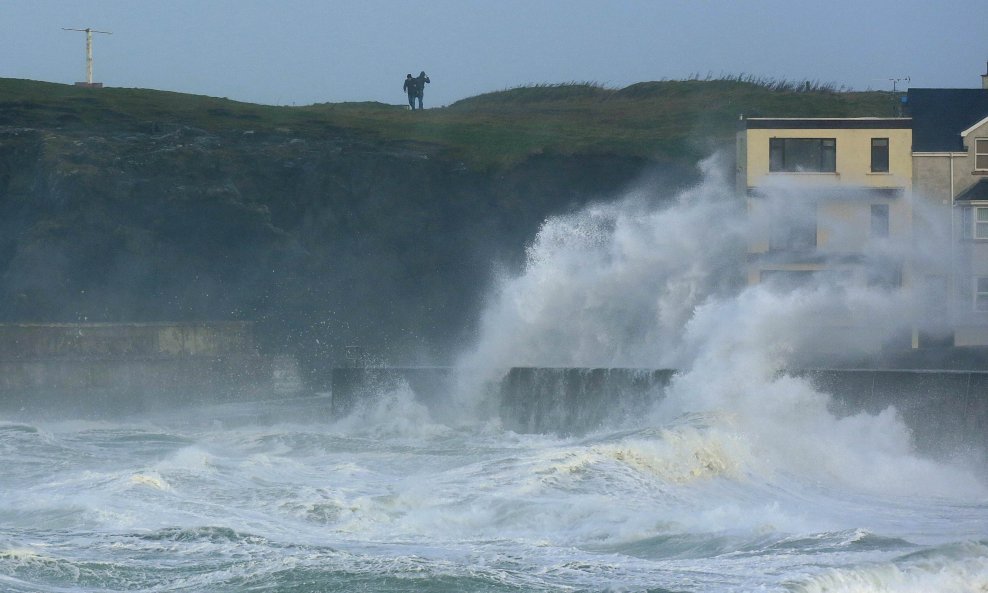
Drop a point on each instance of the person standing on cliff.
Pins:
(420, 83)
(411, 87)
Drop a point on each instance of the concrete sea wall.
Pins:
(945, 410)
(90, 369)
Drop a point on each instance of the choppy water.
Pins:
(737, 479)
(278, 497)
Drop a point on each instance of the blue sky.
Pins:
(306, 51)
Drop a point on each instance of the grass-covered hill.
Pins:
(330, 224)
(668, 120)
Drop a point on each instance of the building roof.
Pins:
(976, 193)
(940, 115)
(826, 123)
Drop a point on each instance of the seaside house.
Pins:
(950, 173)
(819, 190)
(824, 195)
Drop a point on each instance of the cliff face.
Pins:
(322, 241)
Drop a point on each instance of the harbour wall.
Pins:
(90, 370)
(945, 410)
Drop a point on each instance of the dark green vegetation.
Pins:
(330, 224)
(668, 120)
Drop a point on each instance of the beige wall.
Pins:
(843, 225)
(853, 158)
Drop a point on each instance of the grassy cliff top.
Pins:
(667, 120)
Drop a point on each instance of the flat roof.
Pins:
(827, 123)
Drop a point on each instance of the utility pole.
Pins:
(89, 56)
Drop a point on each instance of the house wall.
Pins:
(965, 174)
(853, 157)
(843, 224)
(940, 177)
(931, 177)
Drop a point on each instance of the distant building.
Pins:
(844, 181)
(823, 194)
(950, 170)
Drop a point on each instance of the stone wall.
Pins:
(947, 411)
(88, 369)
(48, 341)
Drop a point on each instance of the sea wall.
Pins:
(945, 410)
(352, 385)
(63, 341)
(95, 369)
(575, 400)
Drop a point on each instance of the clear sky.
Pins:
(287, 52)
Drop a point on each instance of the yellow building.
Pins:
(828, 199)
(820, 191)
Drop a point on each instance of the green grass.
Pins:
(664, 120)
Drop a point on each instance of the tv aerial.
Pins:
(89, 55)
(895, 81)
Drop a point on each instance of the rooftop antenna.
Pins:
(89, 56)
(895, 81)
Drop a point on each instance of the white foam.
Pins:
(393, 412)
(958, 569)
(635, 284)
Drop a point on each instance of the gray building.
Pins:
(950, 174)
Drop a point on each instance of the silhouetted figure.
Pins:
(411, 88)
(420, 81)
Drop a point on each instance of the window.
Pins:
(785, 280)
(884, 275)
(879, 155)
(981, 154)
(879, 220)
(974, 222)
(802, 154)
(793, 235)
(981, 293)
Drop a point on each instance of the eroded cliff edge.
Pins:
(322, 240)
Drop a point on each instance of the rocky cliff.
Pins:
(334, 224)
(324, 240)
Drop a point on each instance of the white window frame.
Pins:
(980, 222)
(981, 154)
(979, 298)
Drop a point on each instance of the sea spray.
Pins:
(658, 284)
(735, 477)
(615, 284)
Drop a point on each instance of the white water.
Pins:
(218, 502)
(738, 479)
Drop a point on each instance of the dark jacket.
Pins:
(420, 82)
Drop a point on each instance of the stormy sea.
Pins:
(736, 475)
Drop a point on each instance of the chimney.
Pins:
(984, 79)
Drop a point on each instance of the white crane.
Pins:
(89, 51)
